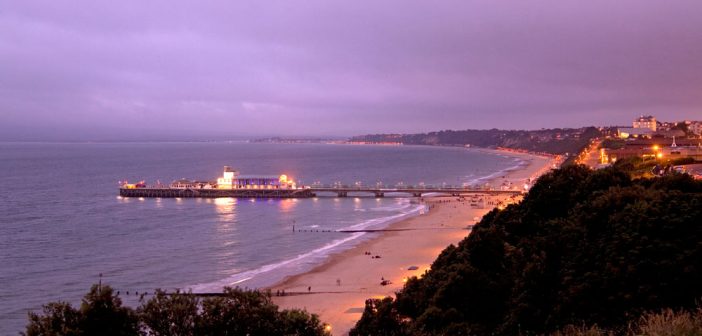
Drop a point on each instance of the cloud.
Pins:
(332, 67)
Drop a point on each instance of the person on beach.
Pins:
(309, 289)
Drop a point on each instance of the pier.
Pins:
(232, 184)
(311, 191)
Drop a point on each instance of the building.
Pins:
(633, 132)
(645, 122)
(695, 127)
(232, 180)
(673, 133)
(188, 184)
(659, 148)
(678, 152)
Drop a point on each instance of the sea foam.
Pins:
(270, 274)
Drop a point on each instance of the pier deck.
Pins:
(309, 192)
(410, 191)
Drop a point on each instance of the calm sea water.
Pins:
(62, 223)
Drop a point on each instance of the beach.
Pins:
(378, 267)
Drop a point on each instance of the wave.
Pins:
(521, 163)
(319, 253)
(401, 206)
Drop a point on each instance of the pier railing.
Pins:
(415, 191)
(338, 190)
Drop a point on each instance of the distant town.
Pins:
(659, 145)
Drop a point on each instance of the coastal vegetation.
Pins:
(648, 168)
(553, 141)
(236, 312)
(585, 253)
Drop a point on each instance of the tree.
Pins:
(244, 312)
(300, 323)
(236, 312)
(239, 312)
(58, 319)
(379, 318)
(173, 314)
(102, 314)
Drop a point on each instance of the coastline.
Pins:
(406, 248)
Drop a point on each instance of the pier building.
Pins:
(231, 179)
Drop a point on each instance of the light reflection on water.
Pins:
(225, 207)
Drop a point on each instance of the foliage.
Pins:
(613, 143)
(379, 318)
(664, 323)
(58, 318)
(555, 141)
(583, 247)
(669, 323)
(101, 313)
(643, 168)
(299, 322)
(170, 314)
(236, 312)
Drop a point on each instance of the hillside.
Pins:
(554, 141)
(583, 247)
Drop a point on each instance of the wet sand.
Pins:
(337, 289)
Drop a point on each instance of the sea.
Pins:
(63, 226)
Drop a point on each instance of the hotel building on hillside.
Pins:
(642, 127)
(645, 122)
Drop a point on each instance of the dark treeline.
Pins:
(555, 141)
(583, 248)
(237, 312)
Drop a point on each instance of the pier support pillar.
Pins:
(379, 194)
(342, 194)
(417, 194)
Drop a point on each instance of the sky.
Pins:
(97, 70)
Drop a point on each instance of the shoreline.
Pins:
(337, 288)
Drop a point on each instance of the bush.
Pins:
(670, 323)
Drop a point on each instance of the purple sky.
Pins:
(122, 69)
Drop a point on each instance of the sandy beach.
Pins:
(337, 289)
